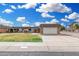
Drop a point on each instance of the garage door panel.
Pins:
(50, 30)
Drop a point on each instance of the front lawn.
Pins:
(19, 37)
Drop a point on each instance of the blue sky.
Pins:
(25, 14)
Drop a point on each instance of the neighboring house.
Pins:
(35, 29)
(3, 30)
(43, 29)
(49, 29)
(20, 29)
(69, 28)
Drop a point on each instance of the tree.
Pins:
(75, 26)
(62, 28)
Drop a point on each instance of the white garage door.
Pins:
(50, 30)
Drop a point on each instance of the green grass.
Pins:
(19, 37)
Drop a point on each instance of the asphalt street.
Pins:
(39, 53)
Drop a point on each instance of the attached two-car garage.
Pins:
(49, 29)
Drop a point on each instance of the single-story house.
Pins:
(20, 29)
(3, 30)
(69, 28)
(35, 29)
(49, 29)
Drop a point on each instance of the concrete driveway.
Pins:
(61, 43)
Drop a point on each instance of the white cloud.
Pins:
(25, 25)
(2, 4)
(5, 22)
(54, 21)
(37, 23)
(28, 5)
(19, 6)
(77, 20)
(62, 24)
(65, 20)
(53, 7)
(47, 15)
(27, 22)
(21, 19)
(66, 16)
(47, 22)
(74, 15)
(13, 7)
(7, 11)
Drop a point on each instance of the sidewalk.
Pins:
(23, 46)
